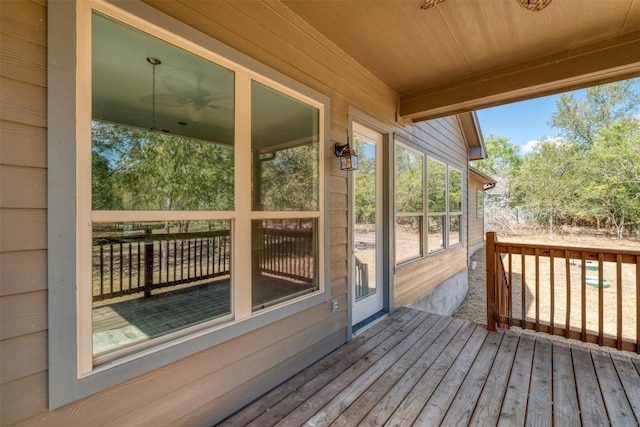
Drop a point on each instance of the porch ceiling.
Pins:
(463, 55)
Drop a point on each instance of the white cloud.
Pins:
(531, 145)
(528, 147)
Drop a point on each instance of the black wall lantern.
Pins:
(347, 156)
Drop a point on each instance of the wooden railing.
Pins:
(130, 265)
(141, 264)
(362, 279)
(550, 289)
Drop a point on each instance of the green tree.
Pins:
(502, 164)
(289, 179)
(582, 120)
(150, 170)
(503, 157)
(365, 181)
(613, 171)
(548, 179)
(409, 180)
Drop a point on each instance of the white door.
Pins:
(366, 224)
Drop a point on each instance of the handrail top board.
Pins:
(573, 252)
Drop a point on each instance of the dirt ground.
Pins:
(474, 306)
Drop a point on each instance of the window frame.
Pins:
(421, 214)
(442, 214)
(72, 374)
(451, 213)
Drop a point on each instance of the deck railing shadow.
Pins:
(561, 293)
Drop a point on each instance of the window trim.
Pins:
(479, 203)
(69, 76)
(397, 214)
(451, 213)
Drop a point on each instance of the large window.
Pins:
(199, 206)
(409, 205)
(436, 224)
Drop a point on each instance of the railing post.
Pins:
(491, 280)
(148, 268)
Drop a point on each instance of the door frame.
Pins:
(386, 151)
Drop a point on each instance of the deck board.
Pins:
(593, 410)
(415, 368)
(564, 387)
(464, 403)
(514, 406)
(615, 399)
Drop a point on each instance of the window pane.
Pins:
(454, 229)
(409, 190)
(436, 185)
(480, 203)
(284, 143)
(284, 260)
(154, 278)
(408, 238)
(435, 236)
(455, 190)
(137, 169)
(163, 124)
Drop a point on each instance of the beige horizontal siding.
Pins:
(23, 229)
(28, 187)
(23, 314)
(476, 224)
(23, 60)
(416, 278)
(22, 272)
(22, 102)
(23, 356)
(23, 145)
(26, 20)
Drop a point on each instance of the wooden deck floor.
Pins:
(422, 369)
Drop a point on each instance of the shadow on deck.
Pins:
(416, 368)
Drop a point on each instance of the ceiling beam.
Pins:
(610, 60)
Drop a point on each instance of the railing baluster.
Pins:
(160, 256)
(524, 290)
(200, 258)
(537, 253)
(552, 288)
(138, 245)
(583, 271)
(491, 280)
(175, 260)
(510, 287)
(600, 299)
(121, 265)
(638, 304)
(168, 255)
(567, 273)
(181, 259)
(619, 299)
(101, 270)
(130, 267)
(111, 268)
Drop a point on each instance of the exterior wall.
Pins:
(445, 298)
(206, 387)
(476, 224)
(442, 139)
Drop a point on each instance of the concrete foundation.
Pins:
(446, 297)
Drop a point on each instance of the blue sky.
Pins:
(524, 122)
